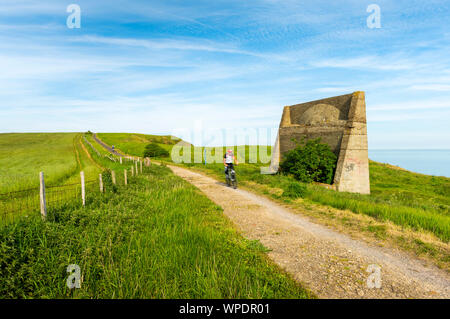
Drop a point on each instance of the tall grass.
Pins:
(62, 184)
(407, 199)
(98, 148)
(434, 221)
(23, 156)
(134, 144)
(158, 238)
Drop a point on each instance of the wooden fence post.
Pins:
(135, 163)
(42, 196)
(113, 177)
(100, 179)
(83, 190)
(140, 162)
(125, 176)
(120, 160)
(132, 170)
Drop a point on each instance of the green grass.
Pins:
(60, 156)
(134, 144)
(157, 238)
(97, 147)
(90, 167)
(23, 156)
(417, 201)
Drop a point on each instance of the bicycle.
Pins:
(230, 176)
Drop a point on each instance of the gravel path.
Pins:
(331, 264)
(107, 147)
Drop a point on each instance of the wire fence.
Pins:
(19, 203)
(58, 196)
(51, 198)
(110, 156)
(28, 201)
(92, 147)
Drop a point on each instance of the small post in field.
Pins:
(83, 189)
(125, 176)
(42, 196)
(140, 162)
(113, 177)
(120, 160)
(135, 163)
(132, 170)
(100, 179)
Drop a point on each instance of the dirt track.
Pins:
(329, 263)
(107, 147)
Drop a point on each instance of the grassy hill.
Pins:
(59, 155)
(412, 201)
(134, 144)
(158, 237)
(408, 199)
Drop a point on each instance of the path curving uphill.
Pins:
(331, 264)
(107, 147)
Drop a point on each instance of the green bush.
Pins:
(154, 150)
(107, 181)
(313, 161)
(295, 190)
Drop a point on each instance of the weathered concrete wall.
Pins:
(341, 123)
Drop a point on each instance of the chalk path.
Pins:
(330, 264)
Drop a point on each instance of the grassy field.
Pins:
(97, 147)
(121, 239)
(417, 201)
(85, 161)
(134, 144)
(157, 238)
(23, 156)
(407, 199)
(420, 202)
(60, 156)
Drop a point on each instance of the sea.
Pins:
(430, 162)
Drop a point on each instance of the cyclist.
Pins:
(228, 160)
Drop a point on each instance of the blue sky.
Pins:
(158, 66)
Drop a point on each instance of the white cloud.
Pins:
(367, 62)
(431, 87)
(411, 105)
(164, 44)
(29, 7)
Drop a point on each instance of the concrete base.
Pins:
(341, 123)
